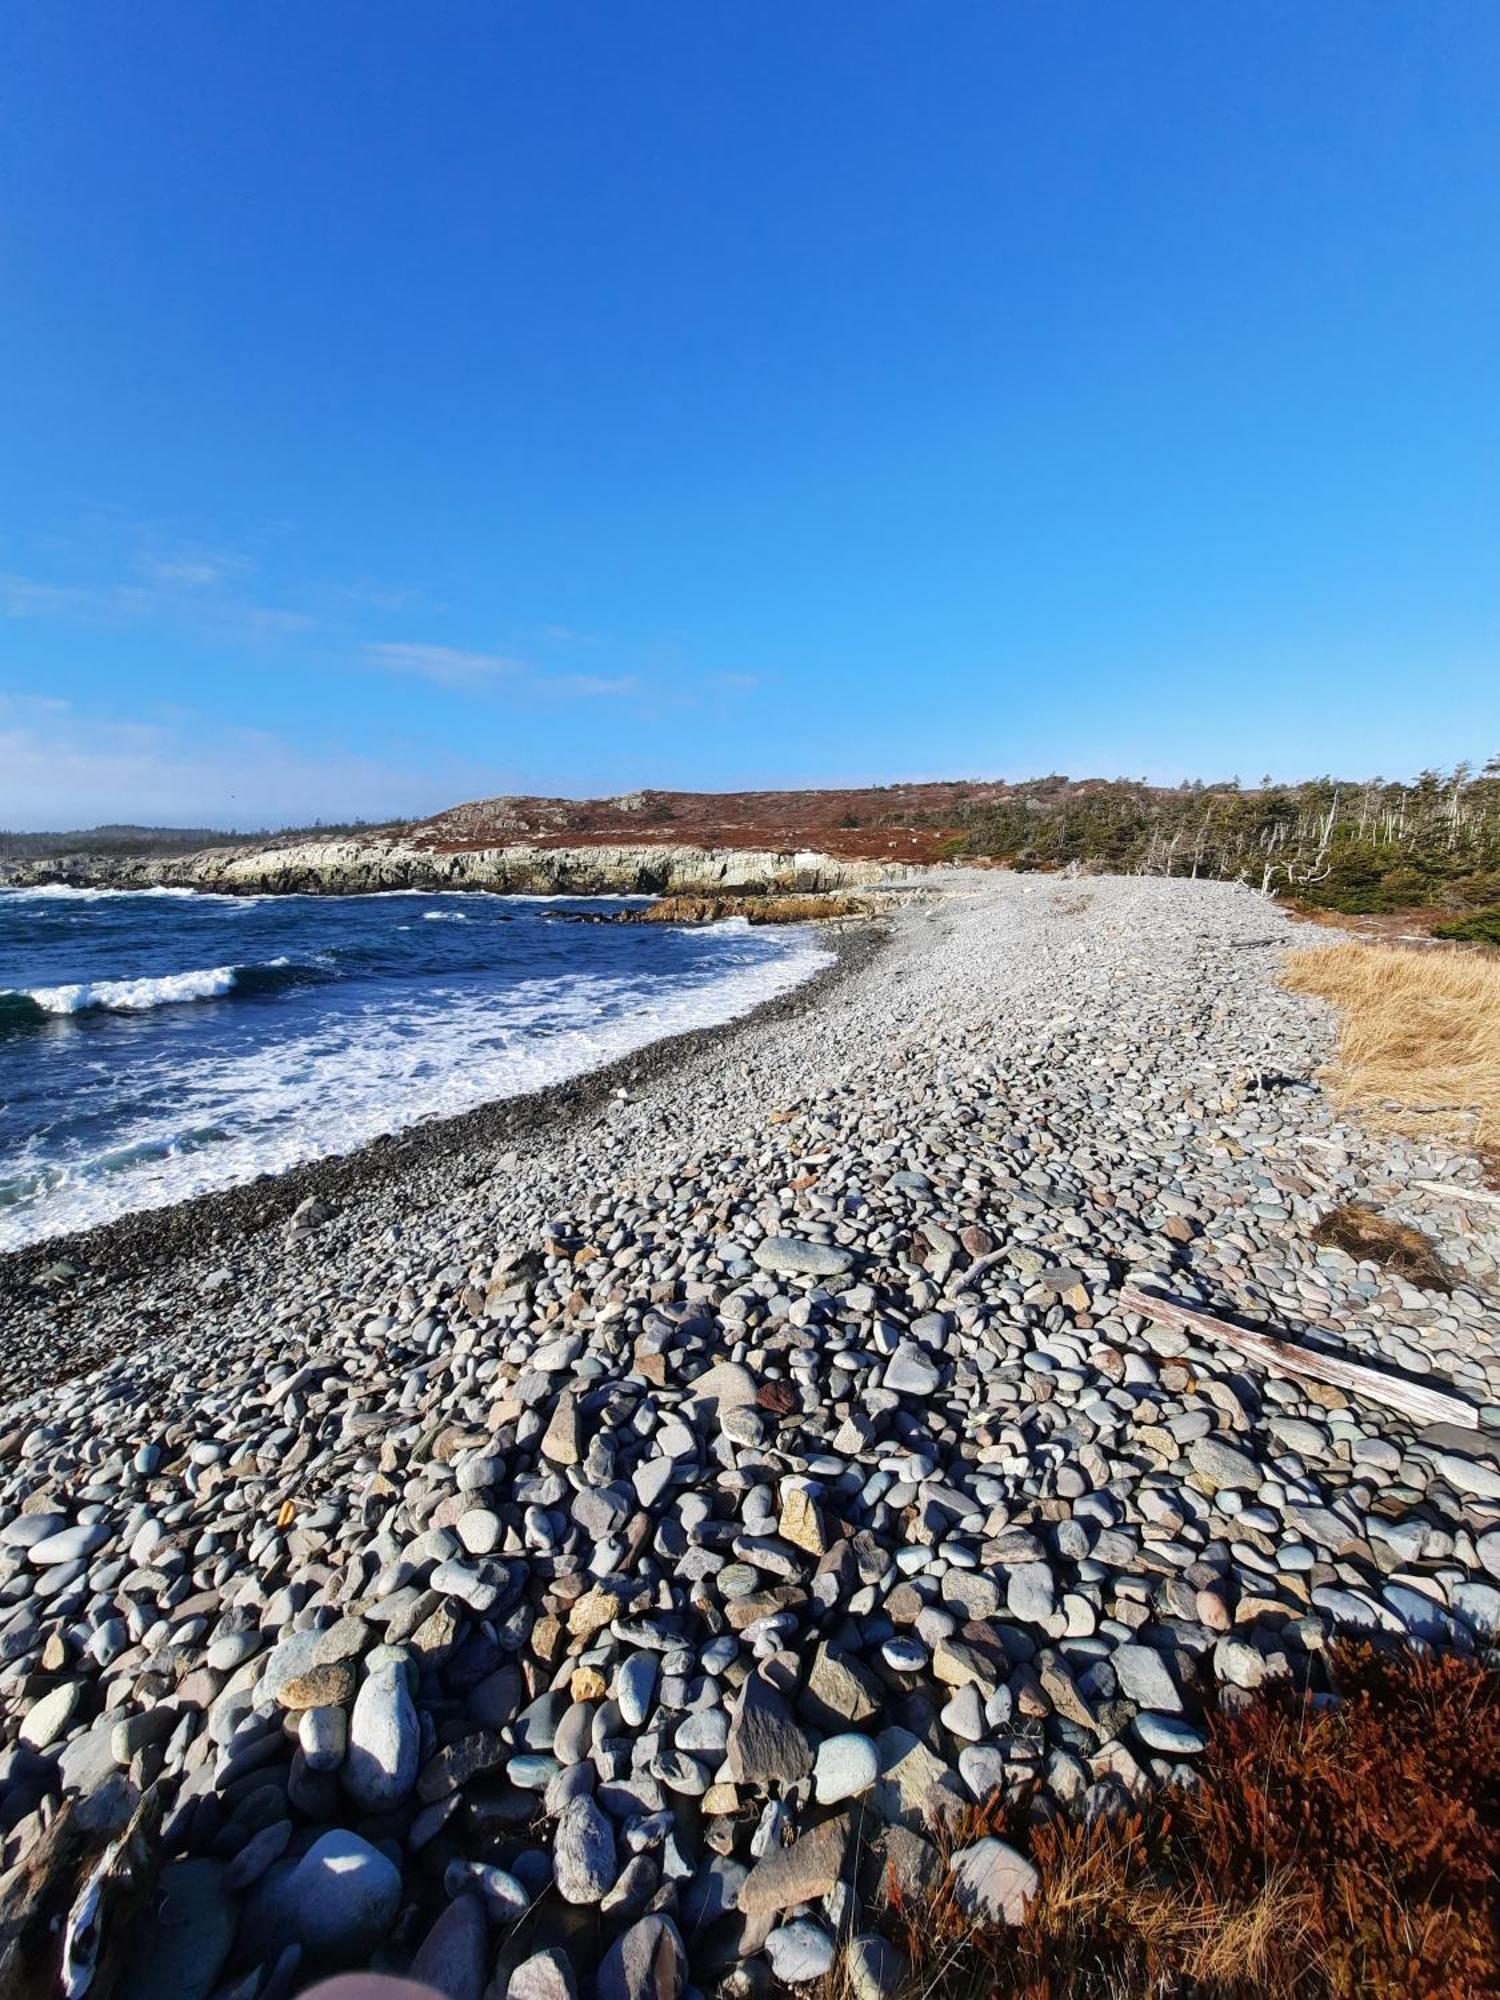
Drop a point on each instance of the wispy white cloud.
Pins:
(60, 768)
(589, 685)
(366, 596)
(204, 590)
(118, 572)
(191, 568)
(445, 666)
(28, 597)
(473, 673)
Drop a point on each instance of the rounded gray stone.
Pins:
(451, 1958)
(1169, 1735)
(992, 1883)
(800, 1952)
(342, 1896)
(789, 1256)
(1220, 1464)
(183, 1937)
(875, 1969)
(846, 1765)
(647, 1962)
(583, 1853)
(385, 1742)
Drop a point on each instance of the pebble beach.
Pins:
(588, 1549)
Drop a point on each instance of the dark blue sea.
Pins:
(156, 1044)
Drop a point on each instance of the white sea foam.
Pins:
(445, 916)
(129, 996)
(338, 1086)
(62, 892)
(67, 891)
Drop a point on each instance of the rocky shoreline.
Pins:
(597, 1564)
(69, 1303)
(378, 864)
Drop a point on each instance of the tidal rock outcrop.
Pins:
(354, 867)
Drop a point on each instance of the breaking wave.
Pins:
(170, 989)
(308, 1026)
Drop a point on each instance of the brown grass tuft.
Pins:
(1370, 1238)
(1333, 1850)
(1421, 1032)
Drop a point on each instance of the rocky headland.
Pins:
(601, 1560)
(640, 843)
(356, 866)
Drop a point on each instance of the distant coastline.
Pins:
(359, 866)
(1427, 848)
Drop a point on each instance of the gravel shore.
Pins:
(589, 1556)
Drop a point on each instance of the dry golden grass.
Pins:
(1110, 1923)
(1420, 1031)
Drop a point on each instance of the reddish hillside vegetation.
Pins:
(881, 823)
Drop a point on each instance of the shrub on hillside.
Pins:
(1482, 928)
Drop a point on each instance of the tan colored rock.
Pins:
(594, 1610)
(436, 1634)
(1212, 1608)
(912, 1781)
(841, 1691)
(959, 1661)
(724, 1386)
(506, 1408)
(327, 1686)
(801, 1522)
(548, 1638)
(808, 1869)
(563, 1441)
(742, 1611)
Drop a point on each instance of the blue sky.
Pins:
(399, 405)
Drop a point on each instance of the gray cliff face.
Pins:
(353, 867)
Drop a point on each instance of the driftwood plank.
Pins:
(1450, 1192)
(1285, 1357)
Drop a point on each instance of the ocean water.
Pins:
(156, 1044)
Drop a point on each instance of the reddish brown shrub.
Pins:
(1340, 1849)
(1385, 1809)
